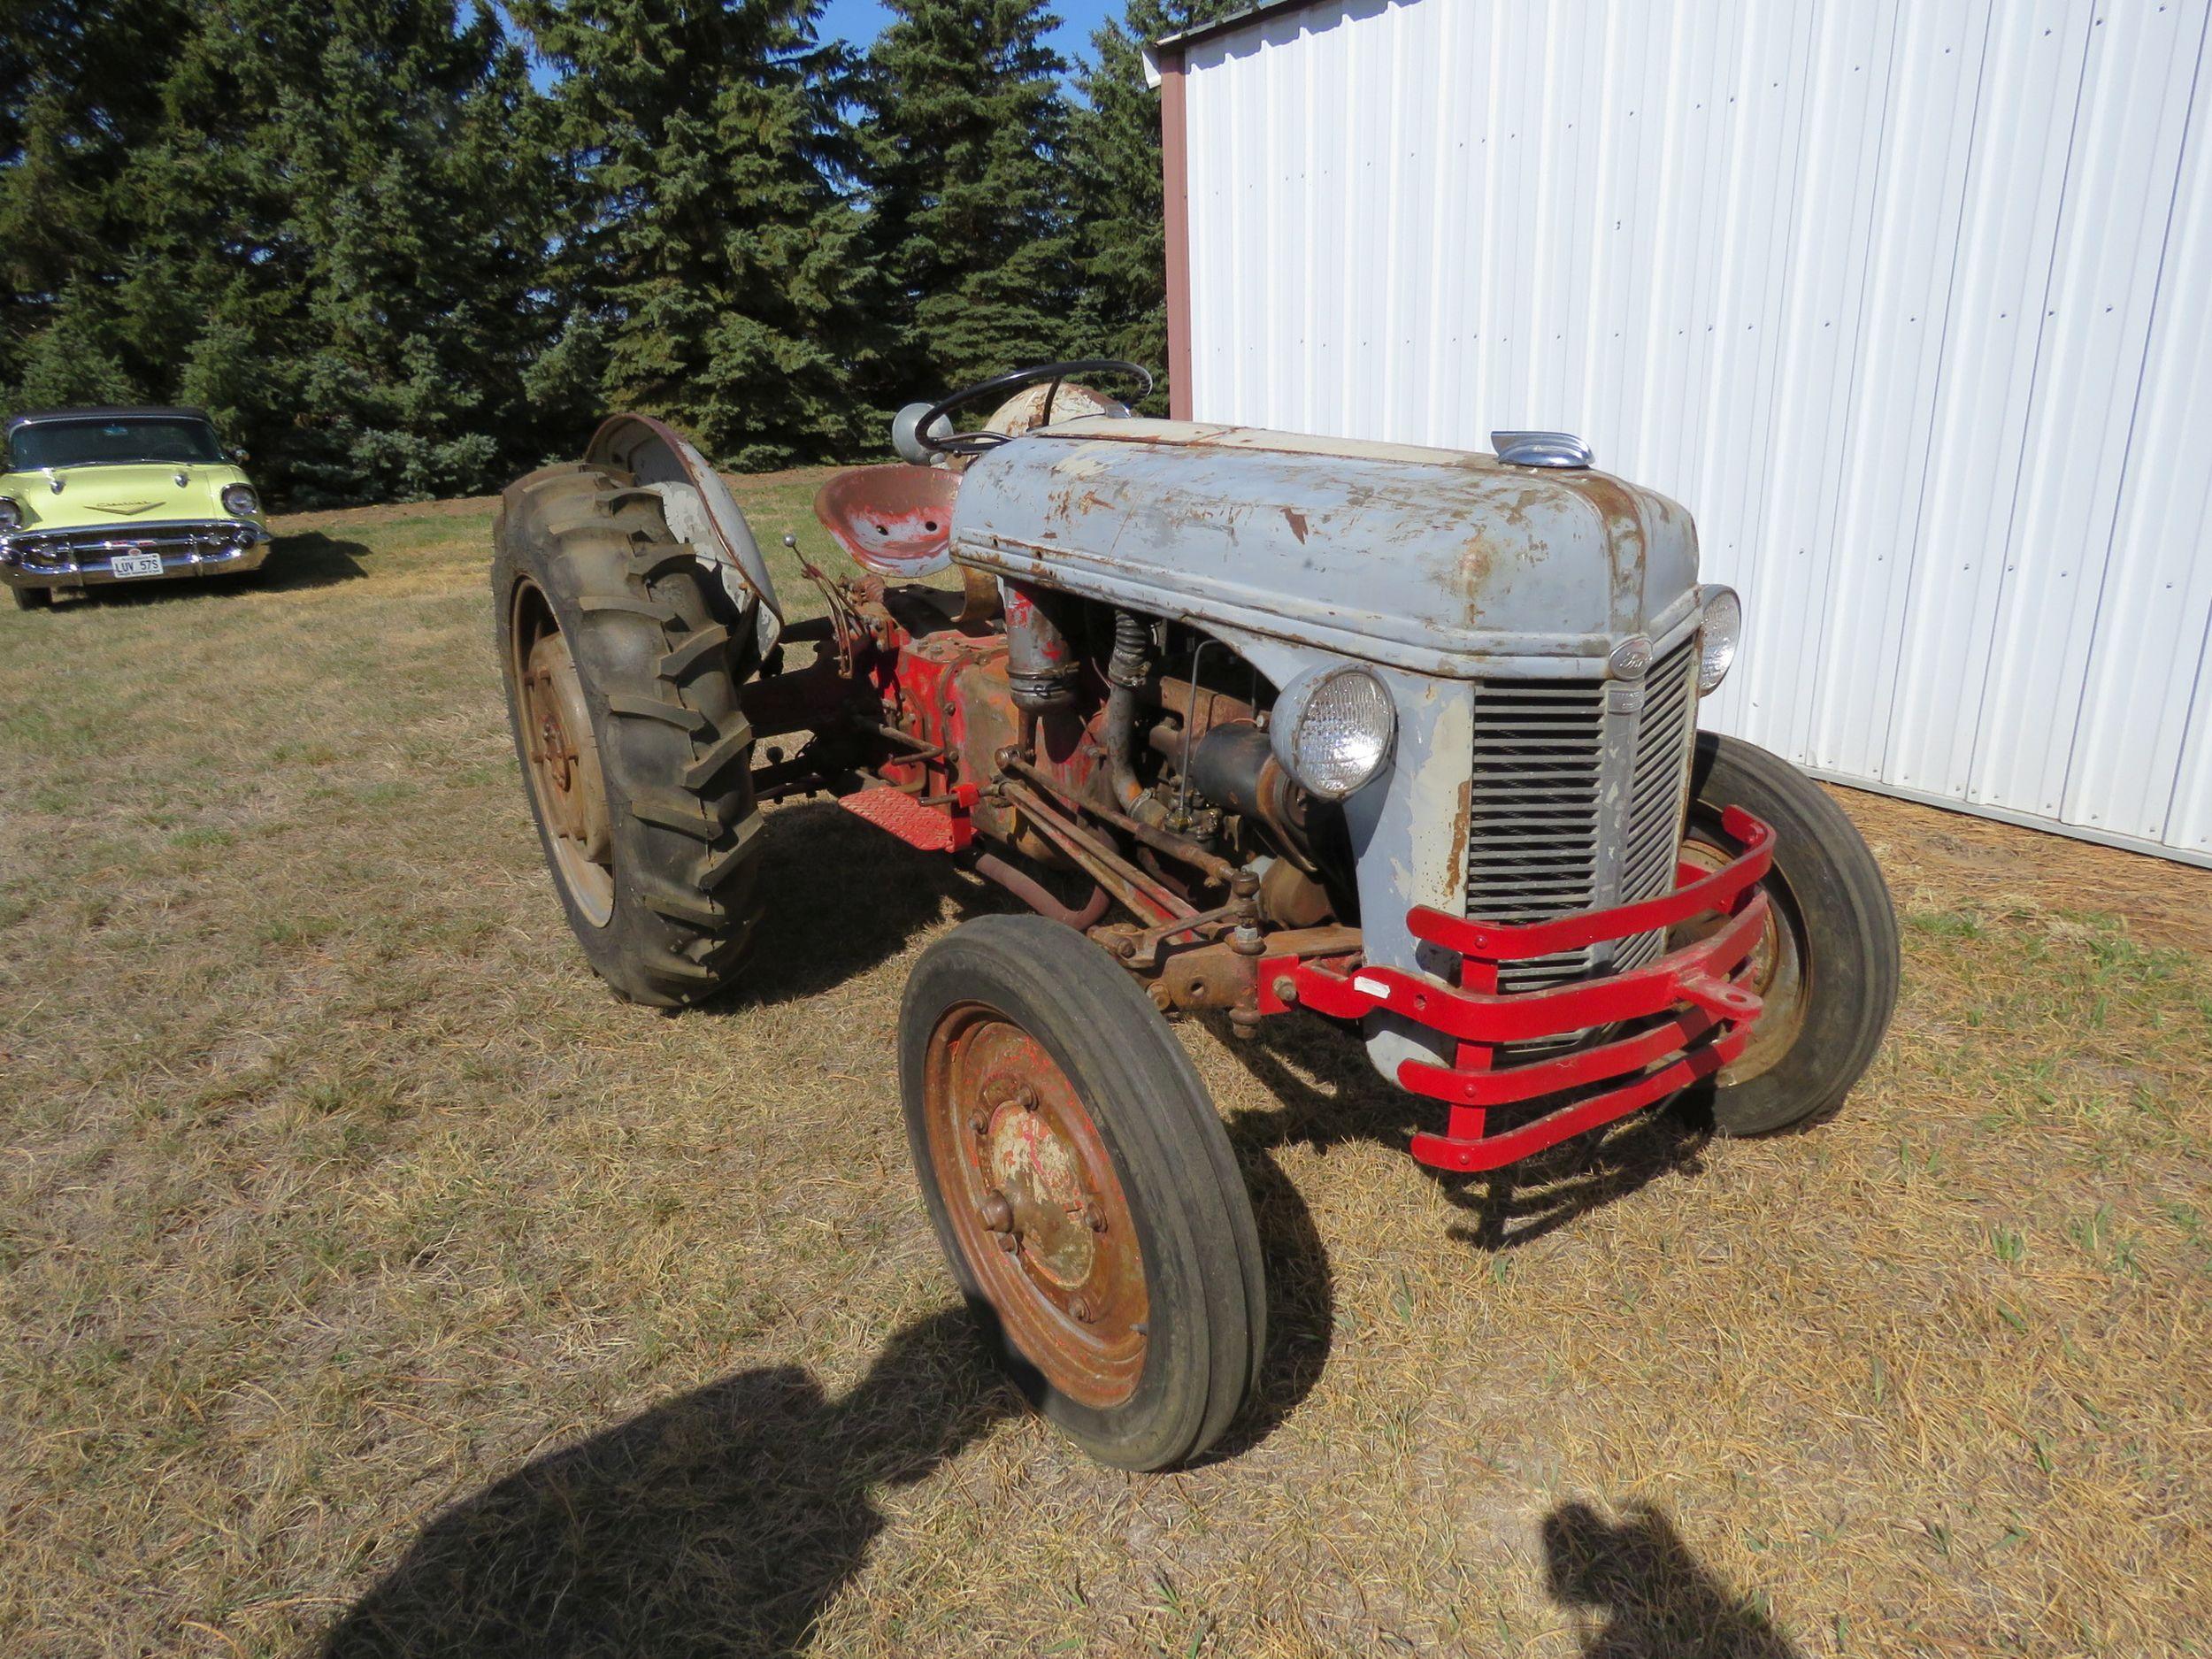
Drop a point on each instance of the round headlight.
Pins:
(11, 514)
(239, 501)
(1333, 729)
(1722, 630)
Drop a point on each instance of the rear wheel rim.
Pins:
(1780, 964)
(1035, 1205)
(561, 756)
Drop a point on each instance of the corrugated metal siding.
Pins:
(1912, 305)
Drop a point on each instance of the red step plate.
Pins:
(895, 811)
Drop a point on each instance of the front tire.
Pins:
(622, 660)
(1083, 1189)
(32, 598)
(1828, 965)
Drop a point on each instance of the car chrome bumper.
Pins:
(1668, 1023)
(83, 558)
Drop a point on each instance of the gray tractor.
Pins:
(1250, 722)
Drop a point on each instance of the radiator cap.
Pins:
(1540, 449)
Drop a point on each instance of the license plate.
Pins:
(135, 563)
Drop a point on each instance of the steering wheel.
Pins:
(999, 387)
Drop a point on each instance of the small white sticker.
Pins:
(1373, 988)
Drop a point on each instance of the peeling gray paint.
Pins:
(1431, 560)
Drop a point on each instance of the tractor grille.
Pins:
(1534, 838)
(1532, 813)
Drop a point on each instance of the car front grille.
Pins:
(1537, 832)
(90, 548)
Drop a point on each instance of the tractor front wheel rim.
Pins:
(1778, 962)
(561, 756)
(1036, 1206)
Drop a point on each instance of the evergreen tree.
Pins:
(713, 272)
(1115, 165)
(965, 127)
(327, 222)
(79, 94)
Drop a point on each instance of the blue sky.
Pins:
(860, 21)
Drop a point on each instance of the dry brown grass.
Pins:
(365, 1269)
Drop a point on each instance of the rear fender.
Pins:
(700, 510)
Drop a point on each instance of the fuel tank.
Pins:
(1437, 561)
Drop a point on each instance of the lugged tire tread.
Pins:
(664, 616)
(678, 809)
(675, 745)
(658, 558)
(718, 868)
(644, 707)
(675, 664)
(723, 752)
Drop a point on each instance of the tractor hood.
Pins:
(1437, 561)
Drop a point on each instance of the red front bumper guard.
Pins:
(1692, 1009)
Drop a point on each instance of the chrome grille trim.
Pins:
(1544, 754)
(1665, 734)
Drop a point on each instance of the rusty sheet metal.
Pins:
(1409, 840)
(1435, 561)
(700, 508)
(1035, 1205)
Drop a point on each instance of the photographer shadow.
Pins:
(1639, 1592)
(724, 1520)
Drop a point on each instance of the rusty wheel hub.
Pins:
(1038, 1210)
(562, 756)
(1777, 967)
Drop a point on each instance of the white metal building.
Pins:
(1909, 300)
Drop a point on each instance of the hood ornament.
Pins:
(1540, 449)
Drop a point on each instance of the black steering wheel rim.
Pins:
(1000, 385)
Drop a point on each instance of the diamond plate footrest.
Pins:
(904, 817)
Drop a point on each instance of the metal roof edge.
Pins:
(1235, 21)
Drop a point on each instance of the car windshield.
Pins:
(95, 442)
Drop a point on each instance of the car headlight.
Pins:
(1722, 630)
(1333, 729)
(239, 501)
(11, 514)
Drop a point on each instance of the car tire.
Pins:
(32, 598)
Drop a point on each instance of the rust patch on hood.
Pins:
(1296, 520)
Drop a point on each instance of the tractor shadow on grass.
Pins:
(724, 1521)
(843, 897)
(1638, 1592)
(1331, 1096)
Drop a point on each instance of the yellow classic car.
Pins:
(97, 495)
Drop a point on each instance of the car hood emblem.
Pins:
(124, 507)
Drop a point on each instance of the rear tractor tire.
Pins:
(623, 659)
(1828, 964)
(1083, 1189)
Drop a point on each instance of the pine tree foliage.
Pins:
(964, 130)
(393, 265)
(1115, 165)
(714, 270)
(327, 223)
